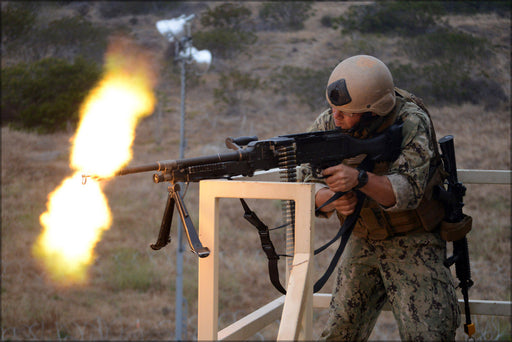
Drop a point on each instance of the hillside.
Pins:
(130, 294)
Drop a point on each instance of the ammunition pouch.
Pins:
(456, 230)
(377, 224)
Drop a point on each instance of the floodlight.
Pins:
(174, 29)
(200, 58)
(203, 60)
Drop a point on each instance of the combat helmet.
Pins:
(361, 84)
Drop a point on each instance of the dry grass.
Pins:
(130, 293)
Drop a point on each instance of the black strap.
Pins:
(330, 200)
(333, 198)
(266, 245)
(345, 232)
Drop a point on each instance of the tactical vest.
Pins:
(377, 224)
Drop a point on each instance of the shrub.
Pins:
(61, 38)
(403, 17)
(74, 35)
(445, 83)
(229, 30)
(45, 96)
(307, 85)
(114, 9)
(16, 21)
(449, 69)
(502, 8)
(226, 16)
(446, 45)
(327, 21)
(223, 43)
(285, 15)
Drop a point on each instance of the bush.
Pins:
(446, 45)
(46, 96)
(449, 69)
(446, 83)
(61, 38)
(285, 15)
(501, 8)
(408, 18)
(307, 85)
(327, 21)
(229, 30)
(223, 43)
(227, 16)
(17, 21)
(114, 9)
(73, 35)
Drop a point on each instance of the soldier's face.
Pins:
(345, 120)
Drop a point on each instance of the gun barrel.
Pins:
(166, 165)
(138, 169)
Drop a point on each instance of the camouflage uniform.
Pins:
(405, 270)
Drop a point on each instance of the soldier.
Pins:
(395, 253)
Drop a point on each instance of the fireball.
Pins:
(77, 214)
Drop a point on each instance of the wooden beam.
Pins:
(248, 326)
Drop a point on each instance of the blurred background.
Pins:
(271, 62)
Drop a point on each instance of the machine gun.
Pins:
(319, 149)
(456, 225)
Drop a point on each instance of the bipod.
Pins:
(164, 236)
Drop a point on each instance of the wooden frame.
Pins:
(298, 304)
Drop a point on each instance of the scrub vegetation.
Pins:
(270, 66)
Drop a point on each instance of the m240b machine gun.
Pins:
(319, 149)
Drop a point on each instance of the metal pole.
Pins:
(180, 324)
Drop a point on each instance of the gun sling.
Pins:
(267, 246)
(344, 232)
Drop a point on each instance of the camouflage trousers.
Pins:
(406, 271)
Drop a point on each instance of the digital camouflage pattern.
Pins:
(405, 270)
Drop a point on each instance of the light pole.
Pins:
(178, 30)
